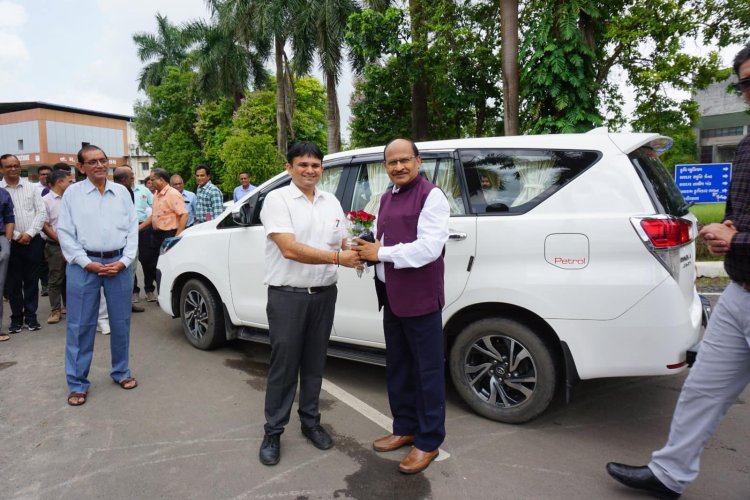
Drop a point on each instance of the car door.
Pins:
(247, 248)
(357, 317)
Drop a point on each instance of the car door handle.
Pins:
(457, 236)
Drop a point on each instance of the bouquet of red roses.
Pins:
(360, 225)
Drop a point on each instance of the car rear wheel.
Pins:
(202, 316)
(503, 370)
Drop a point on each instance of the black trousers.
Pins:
(146, 257)
(416, 376)
(299, 328)
(22, 282)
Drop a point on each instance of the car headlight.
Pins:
(168, 243)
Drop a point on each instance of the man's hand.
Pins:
(718, 237)
(349, 258)
(24, 239)
(110, 269)
(366, 250)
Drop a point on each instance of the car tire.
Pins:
(503, 370)
(201, 315)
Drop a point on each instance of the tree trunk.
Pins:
(281, 123)
(420, 86)
(509, 36)
(333, 119)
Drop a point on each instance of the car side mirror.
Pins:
(242, 214)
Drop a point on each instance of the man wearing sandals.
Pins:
(98, 232)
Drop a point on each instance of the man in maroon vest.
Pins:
(411, 231)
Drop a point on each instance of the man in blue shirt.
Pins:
(98, 232)
(7, 223)
(244, 187)
(209, 199)
(143, 199)
(190, 200)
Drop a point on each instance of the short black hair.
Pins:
(55, 176)
(742, 56)
(87, 148)
(303, 149)
(43, 167)
(61, 166)
(160, 172)
(8, 155)
(414, 148)
(244, 172)
(122, 177)
(203, 167)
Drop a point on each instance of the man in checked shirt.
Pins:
(722, 370)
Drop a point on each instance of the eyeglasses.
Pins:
(93, 163)
(742, 85)
(400, 161)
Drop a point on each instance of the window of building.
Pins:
(707, 154)
(144, 166)
(721, 132)
(20, 144)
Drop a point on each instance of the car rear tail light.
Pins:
(667, 232)
(664, 236)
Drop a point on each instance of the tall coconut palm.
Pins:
(319, 30)
(165, 48)
(268, 20)
(224, 64)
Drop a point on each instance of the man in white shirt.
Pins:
(305, 245)
(59, 180)
(27, 248)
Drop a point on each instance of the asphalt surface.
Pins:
(192, 429)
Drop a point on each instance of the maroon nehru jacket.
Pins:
(411, 291)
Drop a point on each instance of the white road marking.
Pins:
(367, 411)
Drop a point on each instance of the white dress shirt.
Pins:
(319, 224)
(52, 201)
(28, 207)
(432, 233)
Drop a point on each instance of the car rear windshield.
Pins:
(513, 181)
(665, 195)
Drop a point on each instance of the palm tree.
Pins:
(224, 65)
(166, 48)
(265, 21)
(319, 30)
(509, 34)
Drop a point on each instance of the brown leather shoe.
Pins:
(417, 460)
(391, 442)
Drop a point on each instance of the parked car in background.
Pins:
(570, 257)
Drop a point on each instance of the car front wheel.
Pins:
(503, 370)
(202, 316)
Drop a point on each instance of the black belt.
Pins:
(50, 242)
(105, 255)
(311, 290)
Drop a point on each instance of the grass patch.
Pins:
(706, 282)
(708, 213)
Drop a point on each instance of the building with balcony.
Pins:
(723, 122)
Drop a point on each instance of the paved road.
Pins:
(193, 426)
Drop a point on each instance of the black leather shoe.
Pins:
(270, 450)
(319, 437)
(640, 478)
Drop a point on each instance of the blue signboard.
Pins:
(704, 182)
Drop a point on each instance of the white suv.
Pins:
(570, 257)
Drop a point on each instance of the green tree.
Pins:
(225, 65)
(164, 49)
(319, 30)
(165, 122)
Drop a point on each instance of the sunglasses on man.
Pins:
(742, 85)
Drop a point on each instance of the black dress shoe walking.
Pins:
(270, 450)
(640, 478)
(319, 437)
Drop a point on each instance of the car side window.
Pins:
(515, 181)
(372, 181)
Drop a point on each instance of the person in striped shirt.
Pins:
(209, 200)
